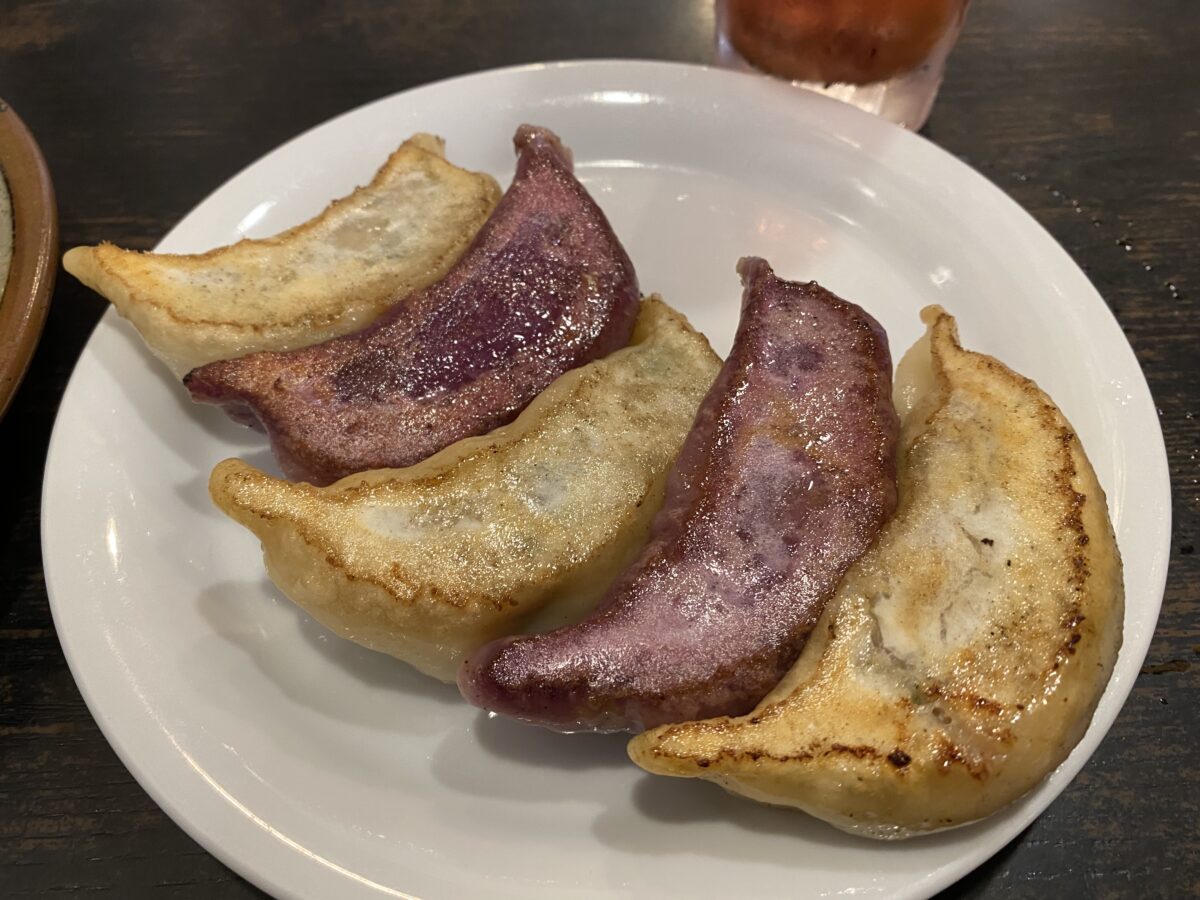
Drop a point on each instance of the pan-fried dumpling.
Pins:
(522, 528)
(963, 655)
(324, 278)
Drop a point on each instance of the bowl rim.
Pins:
(30, 283)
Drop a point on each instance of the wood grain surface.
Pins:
(1085, 111)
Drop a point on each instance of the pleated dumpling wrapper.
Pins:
(519, 529)
(964, 654)
(326, 277)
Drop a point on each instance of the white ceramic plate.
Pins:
(318, 769)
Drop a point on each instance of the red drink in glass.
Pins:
(885, 56)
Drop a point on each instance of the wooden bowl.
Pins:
(30, 282)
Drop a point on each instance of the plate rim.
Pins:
(925, 886)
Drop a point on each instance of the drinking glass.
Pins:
(884, 56)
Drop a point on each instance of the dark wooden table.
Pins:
(1085, 111)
